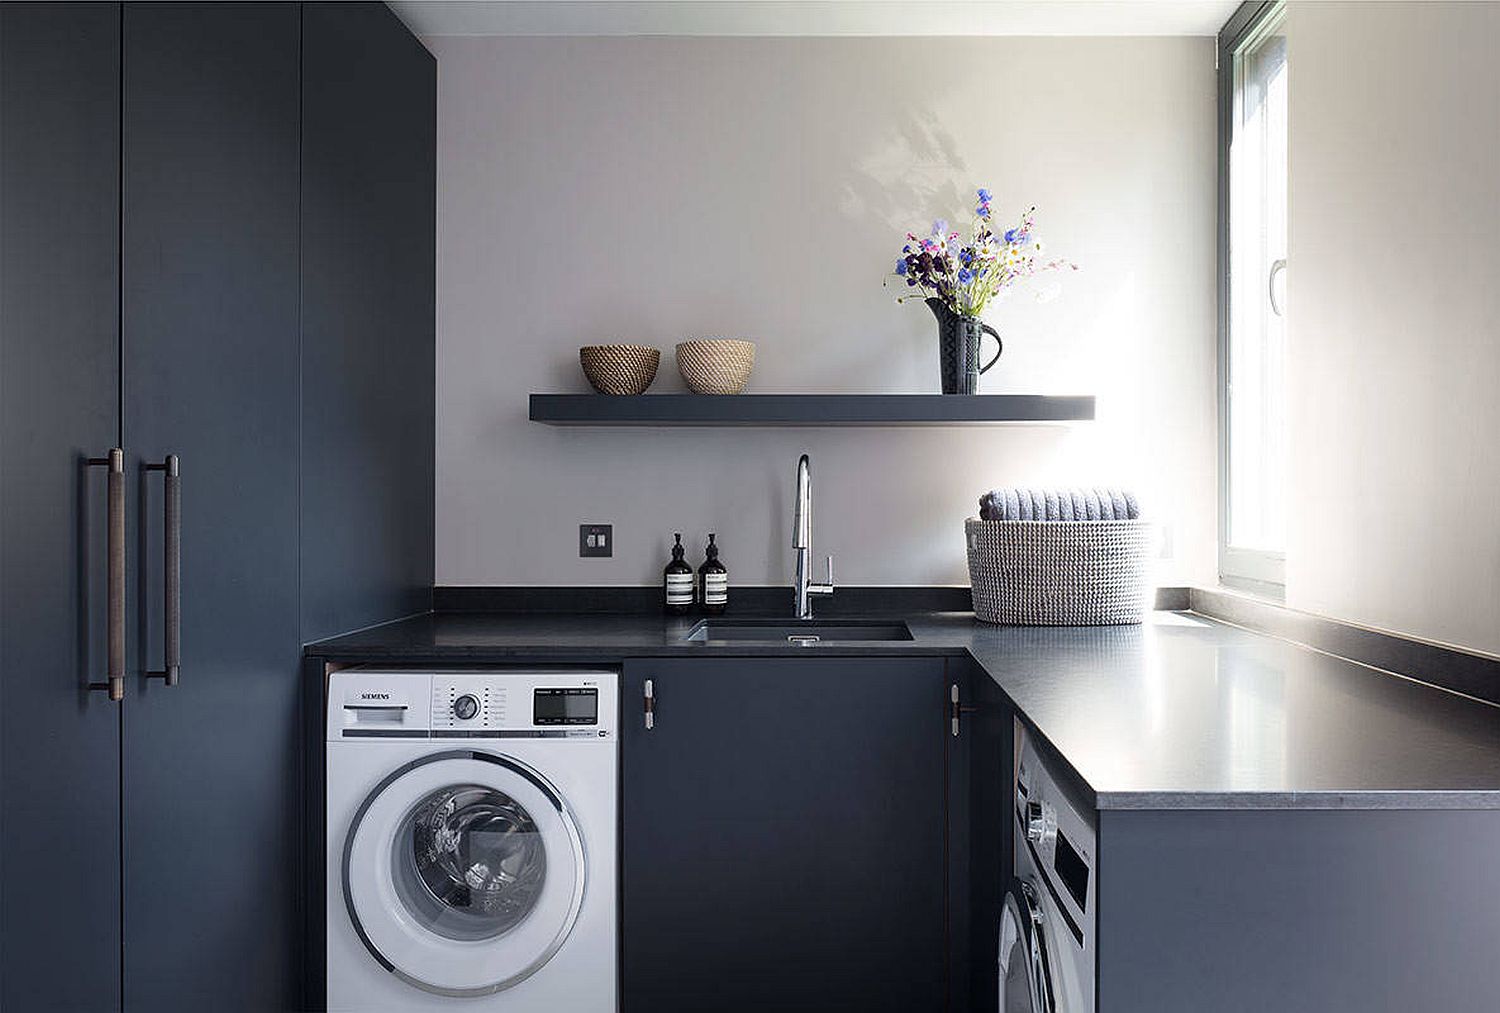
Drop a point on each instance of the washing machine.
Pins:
(471, 840)
(1047, 955)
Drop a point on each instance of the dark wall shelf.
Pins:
(808, 409)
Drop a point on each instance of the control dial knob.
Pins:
(466, 706)
(1041, 824)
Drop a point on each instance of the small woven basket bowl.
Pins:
(715, 365)
(619, 369)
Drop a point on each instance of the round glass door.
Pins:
(469, 861)
(1025, 982)
(463, 872)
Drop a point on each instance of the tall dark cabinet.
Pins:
(210, 335)
(59, 406)
(213, 251)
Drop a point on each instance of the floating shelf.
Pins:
(808, 409)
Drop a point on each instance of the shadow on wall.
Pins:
(904, 183)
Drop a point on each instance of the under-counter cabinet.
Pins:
(784, 834)
(188, 220)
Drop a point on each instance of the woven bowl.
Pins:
(619, 369)
(716, 365)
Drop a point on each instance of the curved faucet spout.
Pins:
(802, 518)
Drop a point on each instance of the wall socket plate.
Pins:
(596, 541)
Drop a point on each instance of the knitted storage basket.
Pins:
(1058, 573)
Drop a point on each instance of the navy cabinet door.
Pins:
(783, 835)
(211, 373)
(369, 163)
(59, 404)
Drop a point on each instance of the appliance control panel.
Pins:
(1059, 836)
(578, 705)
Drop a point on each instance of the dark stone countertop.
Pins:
(1181, 712)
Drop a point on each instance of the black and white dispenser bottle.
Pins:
(677, 582)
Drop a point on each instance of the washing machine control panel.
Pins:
(517, 703)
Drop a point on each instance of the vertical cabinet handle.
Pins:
(171, 569)
(115, 591)
(649, 693)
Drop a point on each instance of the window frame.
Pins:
(1256, 570)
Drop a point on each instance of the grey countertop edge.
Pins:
(1406, 800)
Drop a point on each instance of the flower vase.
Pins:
(958, 348)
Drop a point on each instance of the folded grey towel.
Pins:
(1016, 503)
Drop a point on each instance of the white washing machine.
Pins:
(1047, 940)
(471, 840)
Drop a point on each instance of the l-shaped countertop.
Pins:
(1181, 712)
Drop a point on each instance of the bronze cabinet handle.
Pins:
(171, 569)
(115, 592)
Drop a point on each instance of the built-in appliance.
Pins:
(471, 840)
(1047, 925)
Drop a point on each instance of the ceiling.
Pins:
(814, 17)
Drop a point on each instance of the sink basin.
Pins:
(790, 631)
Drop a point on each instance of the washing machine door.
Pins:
(1025, 977)
(463, 872)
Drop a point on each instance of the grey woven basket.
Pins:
(1058, 573)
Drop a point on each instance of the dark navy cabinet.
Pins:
(784, 827)
(369, 192)
(59, 406)
(210, 339)
(182, 273)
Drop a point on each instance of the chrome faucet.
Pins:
(804, 589)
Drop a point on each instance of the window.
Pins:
(1252, 297)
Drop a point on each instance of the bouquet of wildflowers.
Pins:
(965, 276)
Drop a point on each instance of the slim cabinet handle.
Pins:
(171, 569)
(115, 591)
(956, 708)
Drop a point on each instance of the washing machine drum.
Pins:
(463, 872)
(1025, 977)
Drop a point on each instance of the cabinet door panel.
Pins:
(59, 404)
(210, 271)
(783, 836)
(369, 163)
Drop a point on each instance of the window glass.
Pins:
(1254, 528)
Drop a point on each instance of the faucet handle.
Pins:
(830, 570)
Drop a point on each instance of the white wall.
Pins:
(653, 189)
(1394, 316)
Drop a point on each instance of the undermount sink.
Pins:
(791, 631)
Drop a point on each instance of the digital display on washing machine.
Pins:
(1072, 870)
(571, 706)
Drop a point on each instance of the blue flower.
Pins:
(911, 281)
(965, 276)
(940, 228)
(1010, 235)
(906, 248)
(984, 196)
(900, 265)
(983, 211)
(966, 255)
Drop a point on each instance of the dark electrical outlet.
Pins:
(596, 540)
